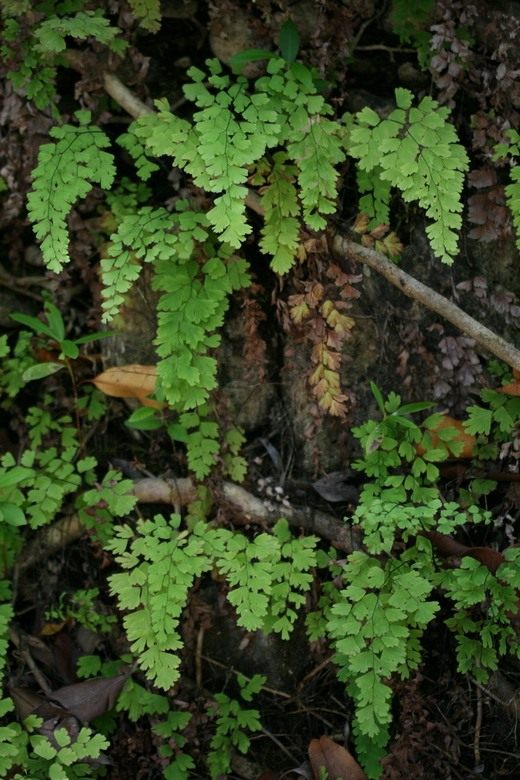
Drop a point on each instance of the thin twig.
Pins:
(266, 688)
(19, 642)
(282, 747)
(478, 728)
(390, 49)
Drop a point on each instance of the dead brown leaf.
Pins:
(132, 381)
(91, 698)
(338, 762)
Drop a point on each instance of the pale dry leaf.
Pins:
(132, 381)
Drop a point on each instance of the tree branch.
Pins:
(179, 492)
(415, 289)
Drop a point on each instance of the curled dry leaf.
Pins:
(132, 381)
(338, 762)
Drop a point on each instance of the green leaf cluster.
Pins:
(411, 20)
(194, 298)
(15, 362)
(65, 173)
(32, 75)
(50, 34)
(139, 702)
(416, 150)
(376, 616)
(492, 422)
(232, 130)
(511, 149)
(267, 579)
(148, 12)
(160, 564)
(194, 279)
(268, 576)
(82, 606)
(232, 724)
(34, 490)
(69, 759)
(39, 53)
(25, 754)
(375, 627)
(484, 603)
(201, 436)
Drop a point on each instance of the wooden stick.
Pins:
(415, 289)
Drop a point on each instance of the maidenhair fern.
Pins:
(375, 626)
(201, 436)
(65, 173)
(160, 564)
(191, 309)
(267, 577)
(195, 279)
(512, 150)
(279, 200)
(416, 150)
(376, 616)
(141, 236)
(148, 12)
(374, 198)
(51, 33)
(233, 129)
(39, 53)
(484, 603)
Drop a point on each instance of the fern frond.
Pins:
(51, 33)
(418, 152)
(248, 567)
(375, 197)
(148, 12)
(200, 435)
(141, 236)
(65, 173)
(292, 578)
(143, 165)
(511, 149)
(313, 141)
(161, 564)
(375, 628)
(6, 615)
(233, 129)
(281, 227)
(513, 200)
(317, 150)
(191, 311)
(194, 296)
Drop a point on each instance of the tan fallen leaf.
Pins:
(338, 762)
(132, 381)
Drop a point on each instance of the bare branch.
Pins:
(415, 289)
(179, 492)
